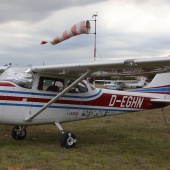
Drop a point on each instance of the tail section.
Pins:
(159, 85)
(158, 89)
(160, 80)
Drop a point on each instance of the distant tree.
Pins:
(150, 76)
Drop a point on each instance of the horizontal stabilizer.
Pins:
(161, 100)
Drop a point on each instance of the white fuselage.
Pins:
(23, 94)
(18, 103)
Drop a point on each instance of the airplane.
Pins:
(115, 85)
(123, 84)
(54, 94)
(141, 82)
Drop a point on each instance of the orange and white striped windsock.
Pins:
(82, 27)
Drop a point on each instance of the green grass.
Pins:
(138, 141)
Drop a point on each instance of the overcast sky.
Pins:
(125, 29)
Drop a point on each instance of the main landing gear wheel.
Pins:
(68, 140)
(19, 133)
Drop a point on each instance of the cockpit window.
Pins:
(79, 88)
(23, 77)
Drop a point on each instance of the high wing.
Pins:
(114, 67)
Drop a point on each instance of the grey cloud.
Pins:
(111, 43)
(133, 45)
(32, 11)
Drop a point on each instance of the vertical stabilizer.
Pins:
(162, 79)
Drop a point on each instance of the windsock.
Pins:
(82, 27)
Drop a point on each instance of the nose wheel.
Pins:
(68, 139)
(18, 133)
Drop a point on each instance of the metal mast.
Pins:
(95, 15)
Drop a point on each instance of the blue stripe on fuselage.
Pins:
(151, 90)
(66, 107)
(51, 95)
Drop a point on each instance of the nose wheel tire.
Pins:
(68, 140)
(18, 133)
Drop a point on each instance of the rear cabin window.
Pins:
(51, 84)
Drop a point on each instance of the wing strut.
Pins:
(59, 95)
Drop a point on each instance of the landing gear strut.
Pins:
(19, 133)
(68, 139)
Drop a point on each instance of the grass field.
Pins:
(132, 141)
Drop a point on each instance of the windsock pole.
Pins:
(95, 15)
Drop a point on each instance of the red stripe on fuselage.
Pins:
(105, 100)
(12, 98)
(6, 84)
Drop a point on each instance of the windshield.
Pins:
(23, 77)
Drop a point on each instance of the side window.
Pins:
(51, 84)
